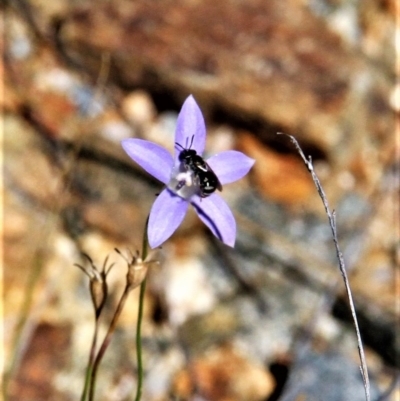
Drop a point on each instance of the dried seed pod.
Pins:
(137, 267)
(97, 283)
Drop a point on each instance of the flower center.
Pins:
(184, 182)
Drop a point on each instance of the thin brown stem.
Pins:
(342, 267)
(92, 355)
(139, 389)
(106, 342)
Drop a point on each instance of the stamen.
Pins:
(183, 182)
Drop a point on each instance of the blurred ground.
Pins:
(265, 321)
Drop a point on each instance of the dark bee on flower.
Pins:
(207, 180)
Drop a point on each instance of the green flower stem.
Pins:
(139, 389)
(139, 342)
(89, 368)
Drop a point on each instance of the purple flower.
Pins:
(185, 182)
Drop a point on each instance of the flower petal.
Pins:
(153, 158)
(190, 127)
(230, 166)
(166, 214)
(217, 216)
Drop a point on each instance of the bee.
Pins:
(207, 180)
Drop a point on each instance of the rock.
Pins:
(269, 65)
(223, 374)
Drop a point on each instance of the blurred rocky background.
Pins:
(265, 321)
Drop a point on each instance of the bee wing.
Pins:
(218, 184)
